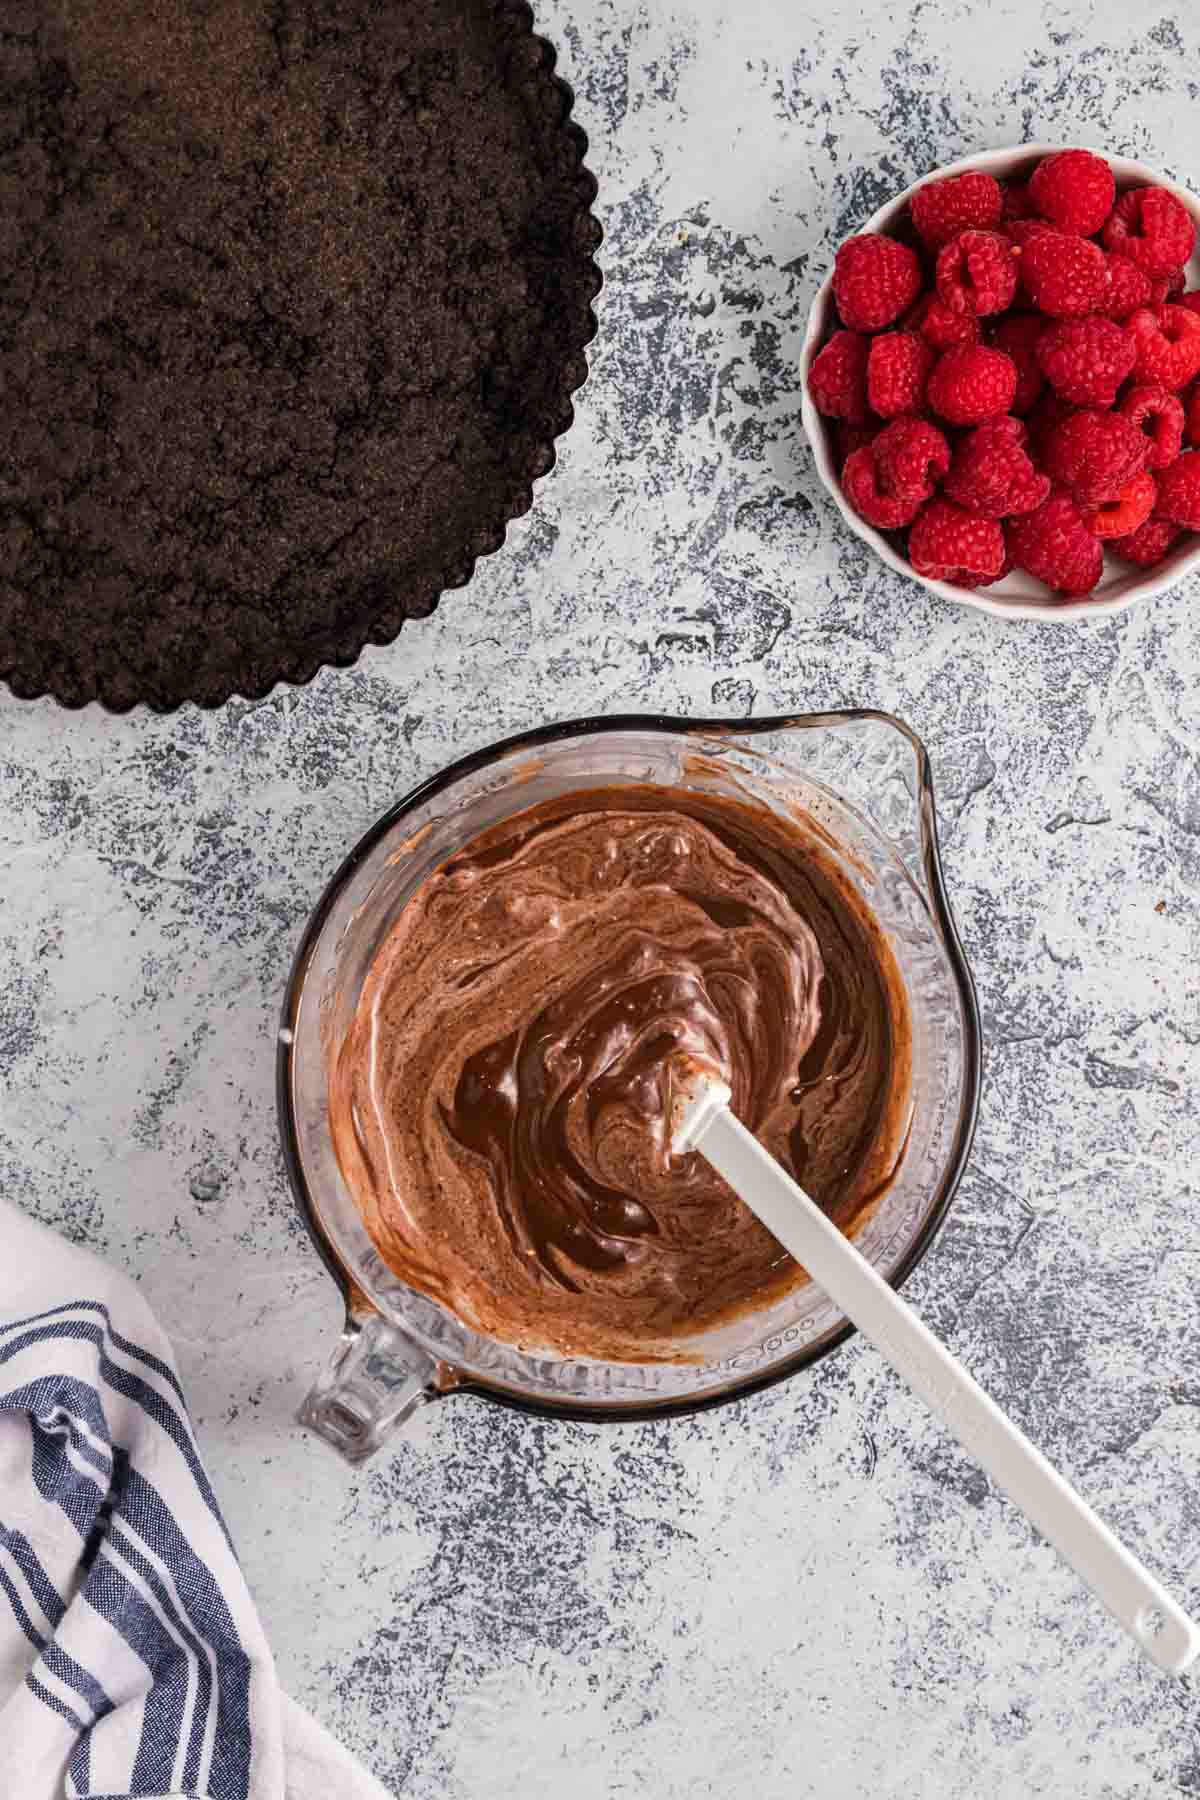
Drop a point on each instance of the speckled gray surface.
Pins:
(807, 1594)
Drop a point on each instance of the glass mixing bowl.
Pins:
(860, 782)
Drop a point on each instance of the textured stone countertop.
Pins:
(808, 1594)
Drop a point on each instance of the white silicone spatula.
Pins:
(1135, 1599)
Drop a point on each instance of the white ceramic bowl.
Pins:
(1018, 596)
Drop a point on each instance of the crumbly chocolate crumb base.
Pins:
(295, 295)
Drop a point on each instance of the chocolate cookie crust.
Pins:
(294, 296)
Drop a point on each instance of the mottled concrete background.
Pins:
(808, 1595)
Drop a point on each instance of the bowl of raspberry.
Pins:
(1002, 382)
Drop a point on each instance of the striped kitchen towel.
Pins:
(132, 1661)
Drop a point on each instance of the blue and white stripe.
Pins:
(132, 1661)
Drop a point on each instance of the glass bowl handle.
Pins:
(374, 1382)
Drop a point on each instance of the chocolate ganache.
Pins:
(501, 1104)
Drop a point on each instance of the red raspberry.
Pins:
(941, 209)
(977, 273)
(1055, 545)
(947, 543)
(940, 327)
(1164, 287)
(1074, 189)
(1022, 231)
(837, 380)
(979, 581)
(864, 486)
(1128, 288)
(1155, 406)
(1179, 491)
(1191, 301)
(991, 473)
(1046, 416)
(1152, 228)
(972, 383)
(1017, 201)
(1064, 276)
(1166, 341)
(1128, 512)
(847, 437)
(898, 365)
(1148, 544)
(1017, 336)
(874, 279)
(1192, 428)
(1086, 360)
(912, 456)
(1094, 454)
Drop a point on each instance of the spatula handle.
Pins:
(1132, 1595)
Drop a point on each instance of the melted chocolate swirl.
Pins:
(501, 1105)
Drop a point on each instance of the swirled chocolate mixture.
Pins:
(501, 1104)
